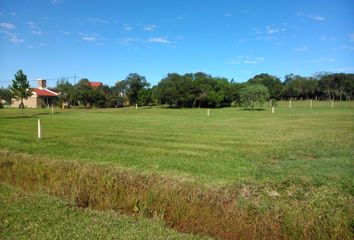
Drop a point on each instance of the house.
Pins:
(95, 84)
(41, 97)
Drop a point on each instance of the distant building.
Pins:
(41, 97)
(95, 84)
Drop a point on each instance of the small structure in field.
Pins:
(41, 97)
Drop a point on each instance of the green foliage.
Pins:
(252, 93)
(144, 97)
(192, 90)
(203, 90)
(66, 93)
(271, 82)
(5, 94)
(20, 88)
(132, 85)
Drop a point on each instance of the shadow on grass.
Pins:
(34, 115)
(254, 109)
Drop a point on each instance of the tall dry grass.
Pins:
(221, 212)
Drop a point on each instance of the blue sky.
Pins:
(106, 40)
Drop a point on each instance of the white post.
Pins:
(136, 106)
(310, 103)
(52, 110)
(272, 109)
(39, 129)
(208, 112)
(290, 103)
(332, 103)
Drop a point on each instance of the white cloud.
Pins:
(250, 62)
(227, 14)
(272, 30)
(67, 33)
(301, 49)
(345, 69)
(245, 60)
(351, 36)
(315, 17)
(35, 32)
(128, 41)
(56, 1)
(323, 60)
(128, 28)
(149, 28)
(310, 16)
(348, 47)
(8, 26)
(35, 29)
(97, 21)
(12, 37)
(159, 40)
(89, 38)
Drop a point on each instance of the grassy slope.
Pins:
(35, 216)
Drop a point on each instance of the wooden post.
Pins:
(310, 103)
(52, 110)
(332, 105)
(136, 106)
(208, 112)
(39, 129)
(272, 109)
(290, 103)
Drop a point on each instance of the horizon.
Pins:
(50, 39)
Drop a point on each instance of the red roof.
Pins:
(95, 84)
(44, 92)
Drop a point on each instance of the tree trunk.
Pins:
(21, 106)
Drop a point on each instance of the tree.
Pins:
(20, 88)
(5, 94)
(144, 96)
(252, 93)
(132, 85)
(271, 82)
(66, 93)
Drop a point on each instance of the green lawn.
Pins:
(300, 160)
(313, 145)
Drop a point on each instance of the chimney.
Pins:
(42, 83)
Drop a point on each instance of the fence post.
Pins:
(208, 112)
(290, 103)
(39, 129)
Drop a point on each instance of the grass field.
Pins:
(297, 162)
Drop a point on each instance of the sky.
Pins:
(108, 39)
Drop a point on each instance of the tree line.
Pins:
(202, 90)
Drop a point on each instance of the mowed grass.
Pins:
(312, 145)
(294, 167)
(38, 216)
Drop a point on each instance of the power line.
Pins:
(47, 79)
